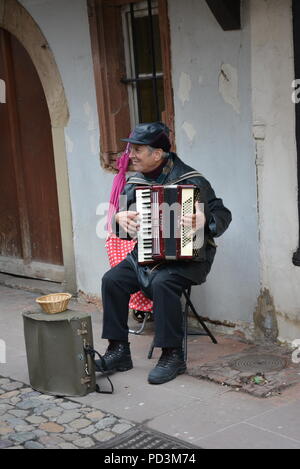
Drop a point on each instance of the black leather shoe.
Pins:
(116, 358)
(170, 364)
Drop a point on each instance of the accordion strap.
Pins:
(140, 181)
(191, 174)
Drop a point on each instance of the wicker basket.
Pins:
(55, 302)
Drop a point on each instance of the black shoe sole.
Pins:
(177, 372)
(125, 367)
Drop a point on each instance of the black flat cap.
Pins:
(154, 134)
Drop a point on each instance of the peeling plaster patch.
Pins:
(93, 145)
(2, 92)
(69, 144)
(189, 130)
(87, 109)
(264, 317)
(185, 86)
(228, 86)
(89, 113)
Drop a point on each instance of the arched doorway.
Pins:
(30, 233)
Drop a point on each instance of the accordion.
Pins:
(161, 237)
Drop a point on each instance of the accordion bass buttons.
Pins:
(187, 208)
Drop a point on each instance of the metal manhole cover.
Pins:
(142, 438)
(258, 363)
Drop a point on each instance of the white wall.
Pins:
(65, 26)
(213, 132)
(273, 111)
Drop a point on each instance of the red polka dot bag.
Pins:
(117, 250)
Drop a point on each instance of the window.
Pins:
(131, 54)
(143, 62)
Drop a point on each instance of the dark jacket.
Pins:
(217, 216)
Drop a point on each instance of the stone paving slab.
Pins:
(245, 436)
(31, 420)
(265, 384)
(204, 418)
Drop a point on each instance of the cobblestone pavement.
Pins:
(31, 420)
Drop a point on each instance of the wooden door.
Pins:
(30, 237)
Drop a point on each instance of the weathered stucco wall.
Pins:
(217, 134)
(274, 129)
(212, 92)
(211, 74)
(65, 25)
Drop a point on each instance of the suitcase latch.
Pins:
(84, 330)
(86, 380)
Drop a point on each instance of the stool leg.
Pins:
(185, 329)
(190, 304)
(139, 331)
(151, 350)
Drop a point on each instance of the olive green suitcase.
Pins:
(56, 347)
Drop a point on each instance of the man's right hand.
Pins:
(129, 222)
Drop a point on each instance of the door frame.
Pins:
(15, 19)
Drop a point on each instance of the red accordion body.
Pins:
(161, 237)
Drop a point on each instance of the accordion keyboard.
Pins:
(144, 236)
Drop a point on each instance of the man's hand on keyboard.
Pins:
(128, 220)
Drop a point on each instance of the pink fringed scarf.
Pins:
(118, 186)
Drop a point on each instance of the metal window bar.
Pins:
(137, 78)
(142, 77)
(135, 54)
(154, 80)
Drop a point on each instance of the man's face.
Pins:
(143, 160)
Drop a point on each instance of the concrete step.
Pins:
(43, 287)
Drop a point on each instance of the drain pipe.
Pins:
(296, 34)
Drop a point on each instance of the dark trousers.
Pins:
(165, 290)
